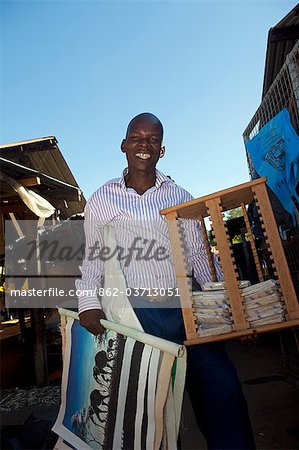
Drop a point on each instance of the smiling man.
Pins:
(143, 148)
(132, 204)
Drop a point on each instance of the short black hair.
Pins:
(146, 115)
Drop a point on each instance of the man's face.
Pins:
(143, 145)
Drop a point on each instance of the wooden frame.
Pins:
(214, 205)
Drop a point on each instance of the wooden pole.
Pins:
(38, 324)
(39, 346)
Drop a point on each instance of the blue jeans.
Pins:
(212, 382)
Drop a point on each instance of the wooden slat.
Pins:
(16, 225)
(227, 263)
(183, 282)
(231, 198)
(33, 181)
(282, 269)
(238, 334)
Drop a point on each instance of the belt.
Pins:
(149, 295)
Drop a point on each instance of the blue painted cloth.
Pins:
(274, 152)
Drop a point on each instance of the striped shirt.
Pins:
(137, 222)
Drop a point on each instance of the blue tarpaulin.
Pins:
(274, 152)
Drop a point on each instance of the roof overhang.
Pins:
(281, 40)
(39, 165)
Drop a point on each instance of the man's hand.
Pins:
(91, 321)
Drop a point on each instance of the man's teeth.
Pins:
(143, 155)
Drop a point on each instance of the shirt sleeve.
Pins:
(93, 267)
(197, 259)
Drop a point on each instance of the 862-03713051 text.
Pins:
(109, 292)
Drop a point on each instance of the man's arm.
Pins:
(92, 269)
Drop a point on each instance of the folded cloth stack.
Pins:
(263, 303)
(217, 285)
(212, 311)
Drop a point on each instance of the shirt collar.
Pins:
(160, 179)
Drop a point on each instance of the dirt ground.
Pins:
(272, 401)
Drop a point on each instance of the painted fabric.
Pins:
(116, 389)
(274, 152)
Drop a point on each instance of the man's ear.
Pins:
(122, 146)
(162, 152)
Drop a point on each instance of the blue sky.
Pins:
(80, 70)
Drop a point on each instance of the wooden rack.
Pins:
(213, 206)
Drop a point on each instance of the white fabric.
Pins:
(152, 381)
(116, 308)
(143, 374)
(35, 202)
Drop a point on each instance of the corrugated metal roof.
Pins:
(30, 141)
(281, 40)
(41, 158)
(41, 154)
